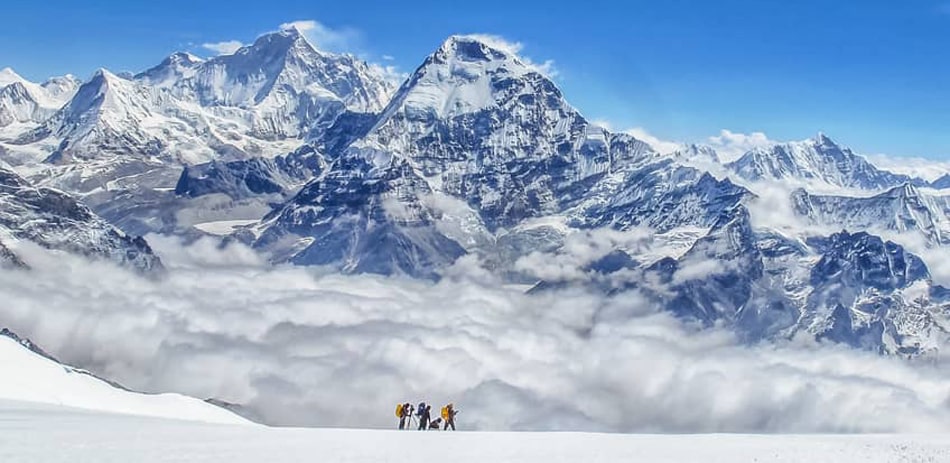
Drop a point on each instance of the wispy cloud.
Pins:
(659, 144)
(223, 48)
(927, 169)
(345, 40)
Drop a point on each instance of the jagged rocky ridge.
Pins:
(902, 209)
(55, 220)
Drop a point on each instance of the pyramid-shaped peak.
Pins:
(289, 30)
(282, 45)
(824, 140)
(280, 41)
(471, 73)
(90, 94)
(101, 80)
(104, 74)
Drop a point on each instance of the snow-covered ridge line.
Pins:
(32, 375)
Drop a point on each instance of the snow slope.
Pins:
(31, 377)
(40, 434)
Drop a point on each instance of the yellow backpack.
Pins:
(399, 411)
(445, 413)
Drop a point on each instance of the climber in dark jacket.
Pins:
(423, 413)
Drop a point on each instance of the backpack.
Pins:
(445, 413)
(399, 411)
(421, 409)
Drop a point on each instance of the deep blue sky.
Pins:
(874, 74)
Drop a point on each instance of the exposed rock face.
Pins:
(57, 221)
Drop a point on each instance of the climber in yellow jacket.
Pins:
(448, 416)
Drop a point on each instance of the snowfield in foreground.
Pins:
(30, 377)
(37, 433)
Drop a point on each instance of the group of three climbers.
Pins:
(423, 412)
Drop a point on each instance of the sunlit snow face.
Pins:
(302, 348)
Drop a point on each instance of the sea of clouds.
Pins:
(300, 346)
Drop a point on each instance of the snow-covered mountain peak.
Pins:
(277, 45)
(183, 57)
(176, 66)
(824, 145)
(474, 48)
(28, 102)
(106, 115)
(56, 90)
(696, 152)
(281, 74)
(106, 91)
(103, 79)
(467, 74)
(61, 88)
(818, 159)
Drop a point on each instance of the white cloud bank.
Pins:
(308, 349)
(927, 169)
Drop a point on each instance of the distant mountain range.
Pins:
(316, 158)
